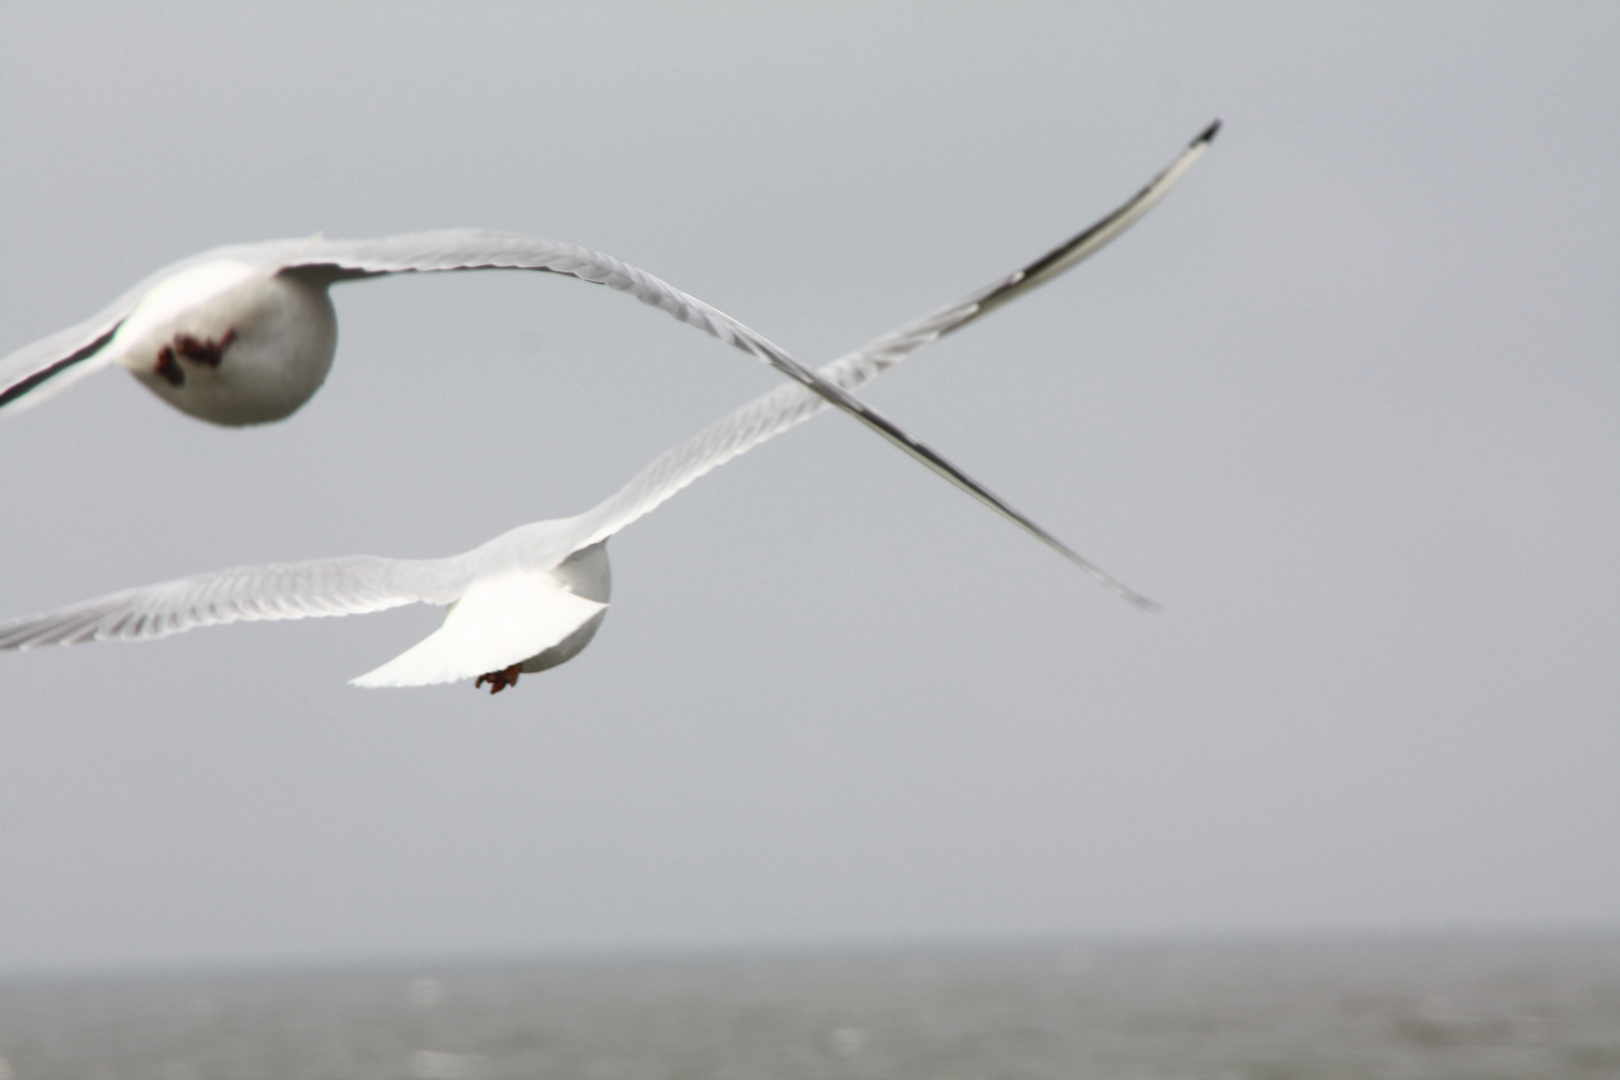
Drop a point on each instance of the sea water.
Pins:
(1481, 1007)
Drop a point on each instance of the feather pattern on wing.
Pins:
(298, 590)
(777, 410)
(477, 249)
(488, 249)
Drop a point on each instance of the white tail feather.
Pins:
(501, 620)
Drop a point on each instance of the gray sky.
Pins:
(1345, 403)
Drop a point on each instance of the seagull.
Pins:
(245, 334)
(534, 597)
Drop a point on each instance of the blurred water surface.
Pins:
(1479, 1007)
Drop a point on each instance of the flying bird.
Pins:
(533, 597)
(245, 334)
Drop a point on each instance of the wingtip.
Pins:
(1208, 134)
(1134, 598)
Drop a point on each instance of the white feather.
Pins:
(513, 598)
(501, 620)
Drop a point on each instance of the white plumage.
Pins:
(245, 334)
(533, 597)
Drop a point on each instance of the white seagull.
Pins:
(533, 597)
(245, 334)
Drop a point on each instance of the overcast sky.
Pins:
(1346, 404)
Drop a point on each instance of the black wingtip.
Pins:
(1208, 134)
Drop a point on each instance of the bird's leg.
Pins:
(500, 680)
(204, 351)
(168, 368)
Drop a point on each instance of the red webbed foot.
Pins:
(500, 680)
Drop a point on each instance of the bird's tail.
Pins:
(501, 620)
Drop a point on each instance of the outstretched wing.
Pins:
(485, 249)
(346, 586)
(894, 346)
(457, 249)
(51, 364)
(780, 409)
(37, 370)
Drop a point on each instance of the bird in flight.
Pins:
(533, 597)
(246, 334)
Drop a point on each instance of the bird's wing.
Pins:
(346, 586)
(780, 409)
(480, 250)
(485, 249)
(35, 372)
(894, 346)
(51, 364)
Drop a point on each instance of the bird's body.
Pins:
(534, 596)
(226, 341)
